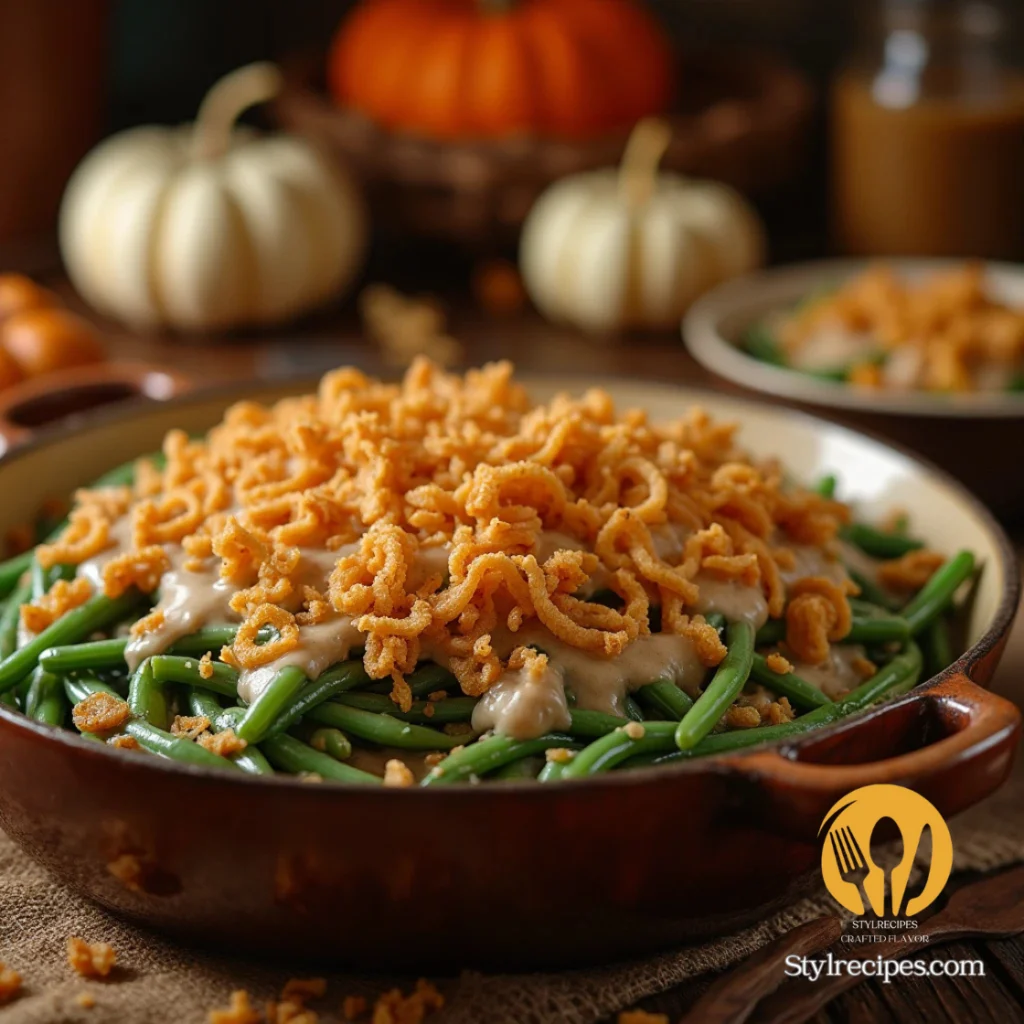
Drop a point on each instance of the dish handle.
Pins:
(963, 741)
(48, 399)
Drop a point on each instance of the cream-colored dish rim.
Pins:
(715, 323)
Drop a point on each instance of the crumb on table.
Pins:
(91, 960)
(353, 1007)
(10, 983)
(239, 1011)
(642, 1017)
(394, 1008)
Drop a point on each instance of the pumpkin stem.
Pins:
(225, 102)
(644, 149)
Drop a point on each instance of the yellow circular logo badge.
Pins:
(883, 811)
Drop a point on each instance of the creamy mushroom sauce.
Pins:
(517, 705)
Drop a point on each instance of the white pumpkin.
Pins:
(211, 226)
(631, 247)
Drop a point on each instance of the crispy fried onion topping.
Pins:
(441, 516)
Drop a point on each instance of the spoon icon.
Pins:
(883, 828)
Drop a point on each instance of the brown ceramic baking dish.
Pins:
(518, 874)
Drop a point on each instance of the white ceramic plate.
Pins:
(715, 324)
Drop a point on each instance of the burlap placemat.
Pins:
(158, 982)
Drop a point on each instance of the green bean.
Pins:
(725, 685)
(348, 675)
(332, 742)
(451, 709)
(204, 704)
(292, 755)
(633, 710)
(13, 569)
(665, 699)
(155, 740)
(46, 701)
(147, 698)
(866, 629)
(426, 679)
(524, 768)
(876, 543)
(383, 729)
(895, 678)
(97, 654)
(267, 707)
(716, 620)
(936, 646)
(74, 625)
(588, 724)
(871, 591)
(772, 632)
(878, 629)
(9, 619)
(932, 599)
(618, 746)
(43, 579)
(213, 638)
(787, 684)
(552, 771)
(484, 756)
(762, 345)
(170, 668)
(826, 486)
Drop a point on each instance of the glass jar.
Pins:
(928, 132)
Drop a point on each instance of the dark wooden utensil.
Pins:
(734, 996)
(992, 908)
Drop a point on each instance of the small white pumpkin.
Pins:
(210, 226)
(629, 247)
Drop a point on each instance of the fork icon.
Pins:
(853, 868)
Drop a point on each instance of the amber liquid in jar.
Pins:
(928, 142)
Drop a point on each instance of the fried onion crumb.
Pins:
(779, 663)
(189, 727)
(223, 744)
(354, 1007)
(394, 1008)
(100, 712)
(10, 983)
(91, 960)
(641, 1017)
(86, 1000)
(397, 773)
(239, 1011)
(742, 717)
(124, 742)
(560, 755)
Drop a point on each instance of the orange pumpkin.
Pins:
(490, 68)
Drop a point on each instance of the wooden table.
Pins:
(334, 339)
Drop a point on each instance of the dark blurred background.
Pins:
(167, 52)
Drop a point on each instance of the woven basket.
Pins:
(744, 121)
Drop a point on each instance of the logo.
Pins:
(884, 813)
